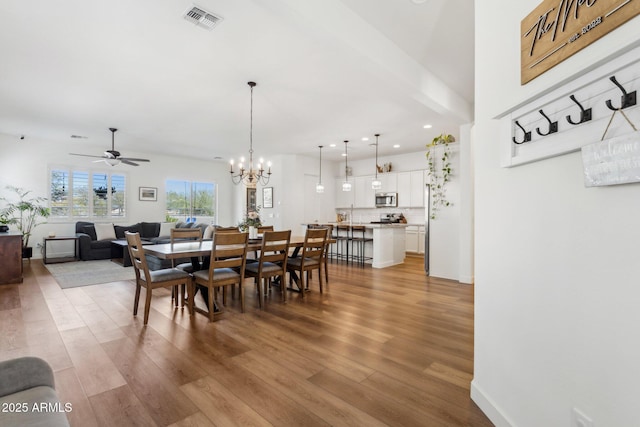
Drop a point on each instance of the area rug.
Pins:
(84, 273)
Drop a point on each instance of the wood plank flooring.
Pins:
(378, 347)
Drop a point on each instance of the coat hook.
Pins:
(627, 99)
(585, 115)
(553, 126)
(527, 135)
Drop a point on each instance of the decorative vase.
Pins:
(253, 232)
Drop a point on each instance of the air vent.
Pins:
(202, 18)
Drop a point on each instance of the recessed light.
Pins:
(365, 138)
(332, 145)
(79, 136)
(344, 154)
(427, 126)
(396, 145)
(418, 1)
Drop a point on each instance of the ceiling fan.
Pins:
(112, 157)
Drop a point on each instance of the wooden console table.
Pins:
(11, 257)
(59, 259)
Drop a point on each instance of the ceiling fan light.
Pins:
(112, 162)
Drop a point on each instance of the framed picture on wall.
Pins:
(267, 197)
(251, 200)
(148, 194)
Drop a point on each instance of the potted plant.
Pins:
(25, 213)
(439, 171)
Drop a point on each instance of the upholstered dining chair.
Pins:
(272, 262)
(310, 258)
(264, 228)
(178, 235)
(325, 256)
(151, 279)
(226, 267)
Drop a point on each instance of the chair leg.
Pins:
(192, 291)
(302, 282)
(241, 292)
(211, 298)
(147, 305)
(136, 299)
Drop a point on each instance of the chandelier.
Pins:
(376, 184)
(252, 176)
(346, 185)
(319, 186)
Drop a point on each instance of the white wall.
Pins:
(25, 164)
(556, 267)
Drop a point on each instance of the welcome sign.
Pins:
(557, 29)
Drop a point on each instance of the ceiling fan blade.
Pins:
(86, 155)
(128, 162)
(133, 159)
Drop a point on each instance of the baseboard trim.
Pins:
(487, 406)
(467, 280)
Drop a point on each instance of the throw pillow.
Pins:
(105, 231)
(165, 228)
(208, 232)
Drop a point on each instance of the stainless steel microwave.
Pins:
(385, 200)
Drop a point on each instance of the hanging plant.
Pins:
(439, 171)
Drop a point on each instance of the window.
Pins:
(89, 195)
(190, 201)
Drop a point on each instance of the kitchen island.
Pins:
(389, 243)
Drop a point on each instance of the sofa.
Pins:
(91, 247)
(28, 396)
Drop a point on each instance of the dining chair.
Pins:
(272, 262)
(151, 279)
(310, 258)
(264, 228)
(327, 252)
(226, 267)
(180, 235)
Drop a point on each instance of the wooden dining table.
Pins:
(194, 250)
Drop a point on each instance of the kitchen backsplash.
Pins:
(413, 215)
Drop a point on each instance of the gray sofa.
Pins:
(28, 396)
(91, 248)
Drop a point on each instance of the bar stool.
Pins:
(343, 239)
(358, 244)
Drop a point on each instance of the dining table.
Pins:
(196, 249)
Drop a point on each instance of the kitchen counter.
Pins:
(389, 242)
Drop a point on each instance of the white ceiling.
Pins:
(327, 70)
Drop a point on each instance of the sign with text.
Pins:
(557, 29)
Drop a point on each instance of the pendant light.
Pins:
(252, 176)
(346, 185)
(319, 186)
(376, 184)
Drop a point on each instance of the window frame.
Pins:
(90, 200)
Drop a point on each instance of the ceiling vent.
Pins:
(202, 18)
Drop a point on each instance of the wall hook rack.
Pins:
(627, 99)
(553, 126)
(527, 135)
(585, 115)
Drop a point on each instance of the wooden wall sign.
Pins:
(557, 29)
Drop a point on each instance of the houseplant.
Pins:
(25, 213)
(251, 222)
(439, 167)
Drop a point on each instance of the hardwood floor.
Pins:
(378, 347)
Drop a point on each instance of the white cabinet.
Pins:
(404, 189)
(417, 189)
(389, 182)
(344, 199)
(415, 239)
(412, 239)
(364, 195)
(411, 189)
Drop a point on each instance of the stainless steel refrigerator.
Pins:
(427, 215)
